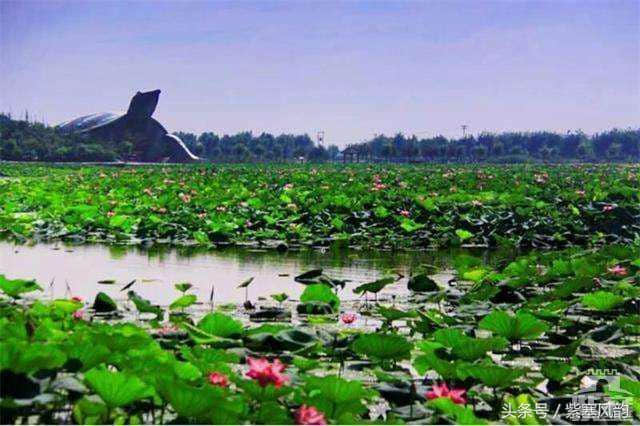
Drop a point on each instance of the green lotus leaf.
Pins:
(183, 302)
(272, 413)
(320, 293)
(602, 300)
(465, 347)
(463, 234)
(460, 414)
(382, 346)
(246, 283)
(183, 287)
(86, 350)
(14, 288)
(337, 397)
(66, 306)
(491, 375)
(553, 370)
(143, 305)
(206, 404)
(522, 326)
(314, 308)
(23, 357)
(430, 361)
(221, 325)
(117, 389)
(280, 297)
(374, 286)
(422, 283)
(309, 277)
(90, 410)
(392, 314)
(103, 303)
(475, 275)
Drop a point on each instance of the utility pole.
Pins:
(464, 130)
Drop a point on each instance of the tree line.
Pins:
(612, 145)
(22, 140)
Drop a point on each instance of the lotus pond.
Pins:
(291, 205)
(543, 328)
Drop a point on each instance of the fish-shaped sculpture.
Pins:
(151, 141)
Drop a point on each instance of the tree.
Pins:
(10, 150)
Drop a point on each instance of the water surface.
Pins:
(157, 270)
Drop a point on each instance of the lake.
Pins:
(156, 270)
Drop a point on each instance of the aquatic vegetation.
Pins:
(393, 206)
(532, 332)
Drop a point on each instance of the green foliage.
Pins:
(382, 346)
(14, 288)
(320, 293)
(183, 301)
(374, 286)
(221, 325)
(183, 287)
(521, 326)
(305, 204)
(280, 297)
(460, 414)
(343, 401)
(491, 375)
(468, 348)
(422, 283)
(104, 303)
(557, 312)
(143, 305)
(203, 404)
(602, 300)
(555, 370)
(117, 389)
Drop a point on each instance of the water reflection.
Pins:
(157, 269)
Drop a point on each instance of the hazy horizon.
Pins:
(351, 69)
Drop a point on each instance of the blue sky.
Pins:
(351, 68)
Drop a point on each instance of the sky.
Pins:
(351, 68)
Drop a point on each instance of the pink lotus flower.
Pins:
(168, 329)
(541, 178)
(443, 391)
(78, 315)
(348, 318)
(218, 379)
(618, 270)
(266, 372)
(580, 193)
(608, 208)
(309, 415)
(287, 186)
(405, 213)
